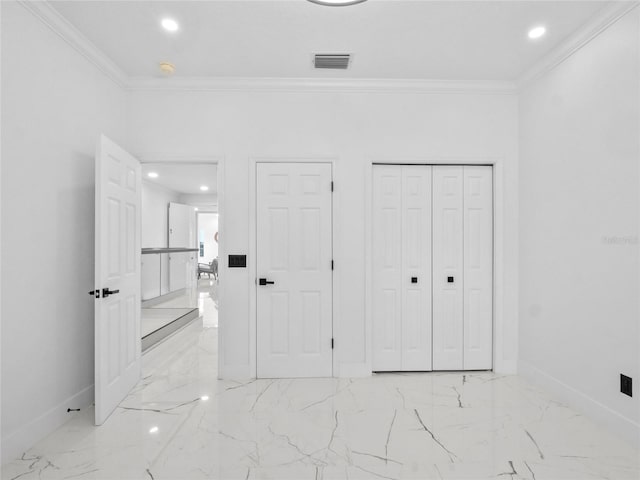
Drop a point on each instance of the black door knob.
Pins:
(449, 279)
(414, 279)
(264, 281)
(106, 292)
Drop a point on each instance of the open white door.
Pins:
(117, 276)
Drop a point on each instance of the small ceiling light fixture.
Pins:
(204, 398)
(337, 3)
(152, 175)
(167, 68)
(170, 25)
(537, 32)
(153, 430)
(204, 188)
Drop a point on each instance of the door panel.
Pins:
(478, 268)
(416, 263)
(387, 268)
(294, 250)
(447, 265)
(117, 267)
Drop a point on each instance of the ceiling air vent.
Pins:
(334, 62)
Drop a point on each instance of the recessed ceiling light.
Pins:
(153, 430)
(196, 209)
(152, 175)
(337, 3)
(204, 188)
(169, 24)
(204, 398)
(537, 32)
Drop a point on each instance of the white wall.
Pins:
(579, 227)
(204, 202)
(155, 225)
(207, 229)
(55, 104)
(155, 214)
(353, 128)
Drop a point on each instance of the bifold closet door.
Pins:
(401, 268)
(478, 268)
(448, 268)
(387, 268)
(416, 268)
(462, 268)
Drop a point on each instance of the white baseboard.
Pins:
(598, 412)
(506, 367)
(19, 441)
(234, 372)
(352, 370)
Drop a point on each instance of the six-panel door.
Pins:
(294, 251)
(117, 269)
(432, 267)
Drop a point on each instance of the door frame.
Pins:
(500, 326)
(205, 159)
(252, 263)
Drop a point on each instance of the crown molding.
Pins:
(581, 37)
(314, 85)
(45, 12)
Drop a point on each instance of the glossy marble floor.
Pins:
(182, 423)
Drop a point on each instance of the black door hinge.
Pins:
(332, 344)
(331, 264)
(332, 186)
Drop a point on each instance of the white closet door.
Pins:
(447, 268)
(294, 247)
(387, 268)
(478, 270)
(416, 268)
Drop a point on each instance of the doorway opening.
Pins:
(179, 286)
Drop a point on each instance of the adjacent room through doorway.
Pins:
(179, 279)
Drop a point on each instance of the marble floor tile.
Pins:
(180, 423)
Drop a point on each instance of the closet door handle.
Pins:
(449, 279)
(414, 279)
(106, 292)
(264, 281)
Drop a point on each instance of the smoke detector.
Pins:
(167, 68)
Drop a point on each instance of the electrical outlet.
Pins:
(626, 385)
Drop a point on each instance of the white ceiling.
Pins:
(183, 178)
(418, 39)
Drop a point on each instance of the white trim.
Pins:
(594, 27)
(317, 85)
(607, 417)
(46, 13)
(252, 264)
(500, 328)
(19, 441)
